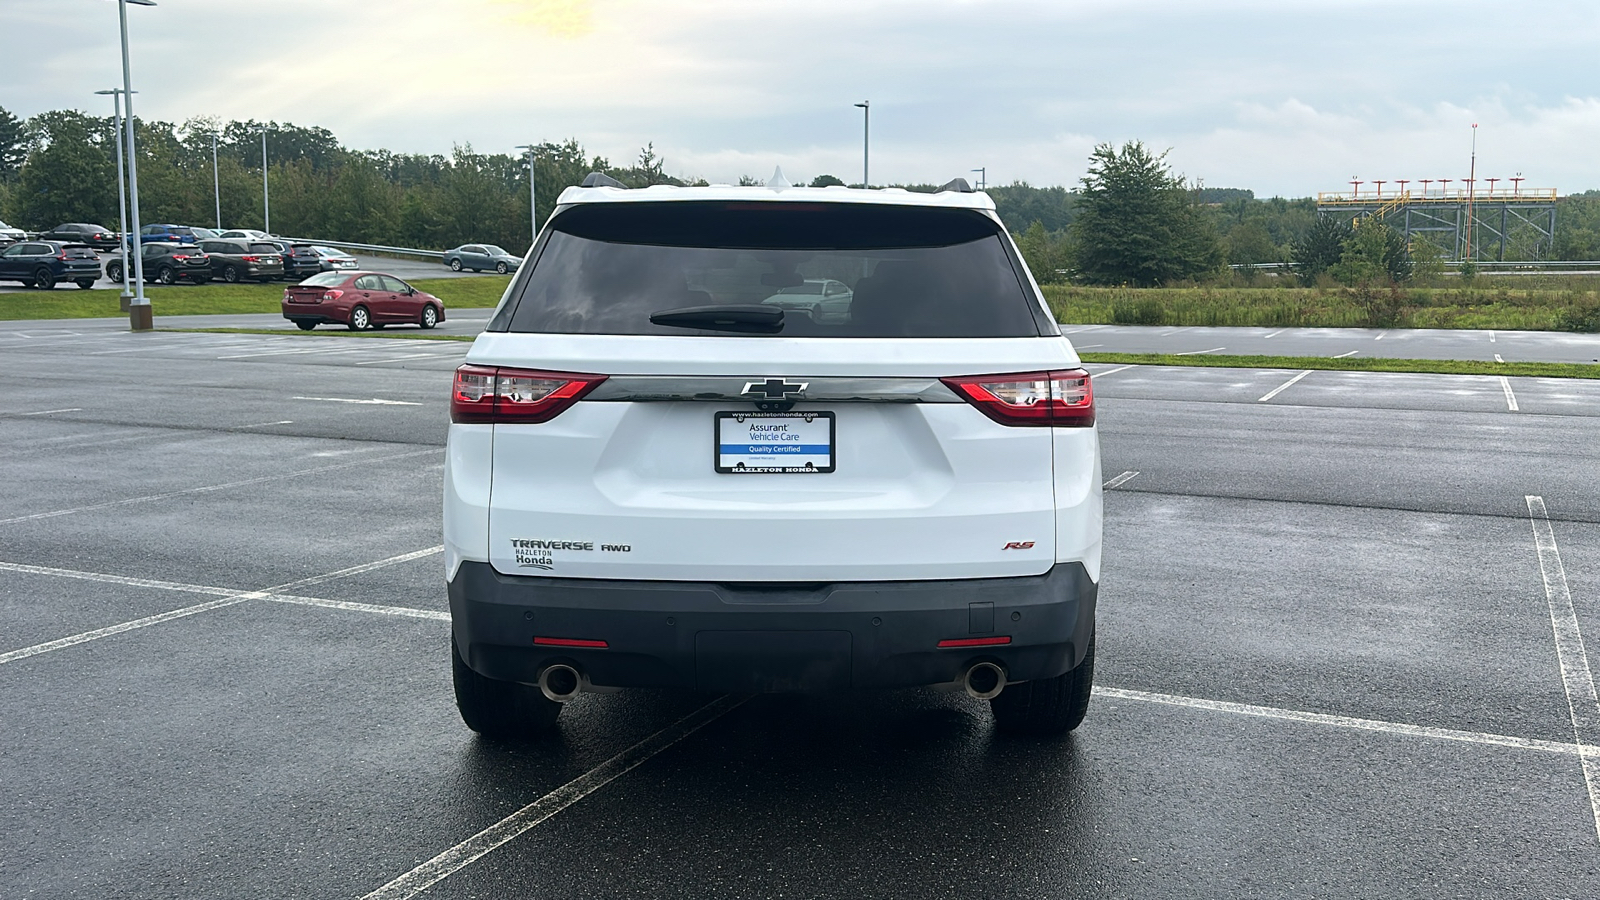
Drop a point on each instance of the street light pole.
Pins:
(266, 201)
(122, 195)
(216, 181)
(866, 131)
(139, 315)
(983, 177)
(533, 212)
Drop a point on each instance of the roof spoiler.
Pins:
(600, 179)
(959, 185)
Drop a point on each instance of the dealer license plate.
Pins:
(774, 443)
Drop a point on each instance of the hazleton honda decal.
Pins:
(1018, 545)
(535, 553)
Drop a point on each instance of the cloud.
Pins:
(1281, 98)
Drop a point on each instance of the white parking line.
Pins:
(1275, 333)
(1112, 371)
(1498, 359)
(374, 362)
(1583, 706)
(48, 412)
(1118, 481)
(1380, 336)
(1283, 387)
(531, 816)
(300, 473)
(373, 402)
(1491, 337)
(1343, 355)
(229, 597)
(1198, 352)
(328, 349)
(1511, 399)
(268, 424)
(1311, 718)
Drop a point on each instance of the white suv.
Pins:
(658, 476)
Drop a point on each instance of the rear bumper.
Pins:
(752, 638)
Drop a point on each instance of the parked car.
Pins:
(335, 259)
(168, 234)
(237, 260)
(249, 234)
(359, 300)
(11, 235)
(42, 264)
(166, 263)
(479, 257)
(299, 260)
(655, 480)
(204, 234)
(96, 236)
(824, 299)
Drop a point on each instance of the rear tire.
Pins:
(504, 710)
(360, 319)
(231, 275)
(303, 325)
(85, 283)
(1047, 707)
(430, 317)
(165, 275)
(44, 279)
(455, 265)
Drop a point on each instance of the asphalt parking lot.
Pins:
(1340, 655)
(1398, 343)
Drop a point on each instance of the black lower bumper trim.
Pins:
(870, 634)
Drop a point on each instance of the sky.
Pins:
(1285, 97)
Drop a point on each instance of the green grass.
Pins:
(1567, 305)
(216, 298)
(1352, 364)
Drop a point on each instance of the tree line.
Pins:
(1131, 220)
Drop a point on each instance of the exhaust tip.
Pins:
(560, 682)
(984, 681)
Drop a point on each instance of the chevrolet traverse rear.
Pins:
(661, 475)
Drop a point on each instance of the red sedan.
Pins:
(359, 300)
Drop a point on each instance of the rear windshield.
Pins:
(905, 271)
(263, 248)
(81, 253)
(327, 279)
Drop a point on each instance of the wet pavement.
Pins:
(1326, 660)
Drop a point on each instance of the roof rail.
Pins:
(600, 179)
(959, 185)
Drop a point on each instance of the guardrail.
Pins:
(372, 248)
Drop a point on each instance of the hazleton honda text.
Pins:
(669, 466)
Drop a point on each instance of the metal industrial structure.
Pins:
(1498, 224)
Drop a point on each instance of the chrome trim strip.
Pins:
(720, 389)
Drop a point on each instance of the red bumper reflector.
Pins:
(574, 642)
(976, 642)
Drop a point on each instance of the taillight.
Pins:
(495, 394)
(1064, 399)
(251, 258)
(332, 295)
(182, 256)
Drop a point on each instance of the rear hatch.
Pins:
(718, 437)
(81, 259)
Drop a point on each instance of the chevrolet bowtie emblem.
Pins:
(774, 388)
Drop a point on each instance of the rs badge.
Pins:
(1018, 545)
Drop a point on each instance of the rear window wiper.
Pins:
(750, 319)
